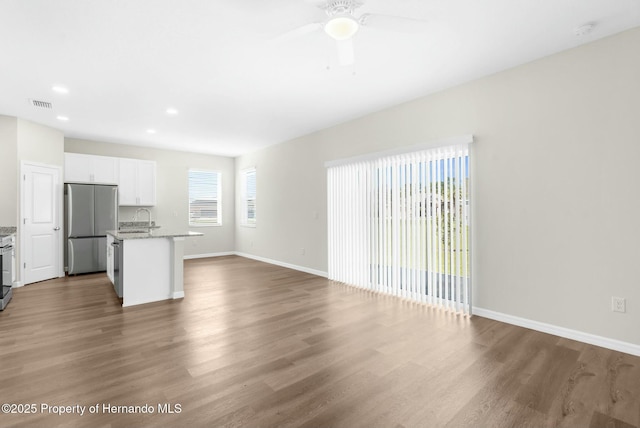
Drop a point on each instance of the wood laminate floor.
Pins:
(258, 345)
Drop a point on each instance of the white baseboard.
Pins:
(592, 339)
(17, 284)
(178, 294)
(260, 259)
(580, 336)
(204, 256)
(283, 264)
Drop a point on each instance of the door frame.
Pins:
(59, 199)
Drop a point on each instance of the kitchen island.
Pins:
(146, 266)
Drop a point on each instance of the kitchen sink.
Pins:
(139, 229)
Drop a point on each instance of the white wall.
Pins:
(172, 209)
(556, 184)
(290, 204)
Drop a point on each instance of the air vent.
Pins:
(41, 104)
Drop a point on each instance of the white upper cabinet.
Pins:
(146, 182)
(127, 189)
(81, 168)
(105, 169)
(136, 178)
(137, 184)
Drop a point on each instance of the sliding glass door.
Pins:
(400, 225)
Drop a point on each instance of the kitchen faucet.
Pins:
(135, 217)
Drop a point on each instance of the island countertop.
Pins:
(155, 233)
(147, 267)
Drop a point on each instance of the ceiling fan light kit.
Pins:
(341, 27)
(342, 24)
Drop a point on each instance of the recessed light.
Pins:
(62, 118)
(60, 89)
(151, 131)
(171, 110)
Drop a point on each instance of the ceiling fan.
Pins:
(342, 24)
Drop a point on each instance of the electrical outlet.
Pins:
(618, 304)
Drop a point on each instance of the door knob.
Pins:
(56, 228)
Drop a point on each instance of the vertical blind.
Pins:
(400, 225)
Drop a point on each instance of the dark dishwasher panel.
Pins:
(117, 266)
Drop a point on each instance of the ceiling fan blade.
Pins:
(345, 52)
(298, 32)
(393, 23)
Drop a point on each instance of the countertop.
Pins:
(135, 224)
(8, 230)
(155, 233)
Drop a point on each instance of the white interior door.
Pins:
(41, 233)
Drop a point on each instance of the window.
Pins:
(204, 198)
(248, 189)
(400, 225)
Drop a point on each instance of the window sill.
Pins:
(253, 225)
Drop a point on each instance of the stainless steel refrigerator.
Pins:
(90, 210)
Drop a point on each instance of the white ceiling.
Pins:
(236, 86)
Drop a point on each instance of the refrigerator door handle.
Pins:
(71, 256)
(69, 211)
(114, 193)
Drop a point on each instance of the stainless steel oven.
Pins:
(7, 262)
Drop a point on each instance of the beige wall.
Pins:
(171, 210)
(9, 171)
(40, 144)
(43, 145)
(556, 184)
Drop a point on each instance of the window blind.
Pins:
(204, 198)
(400, 225)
